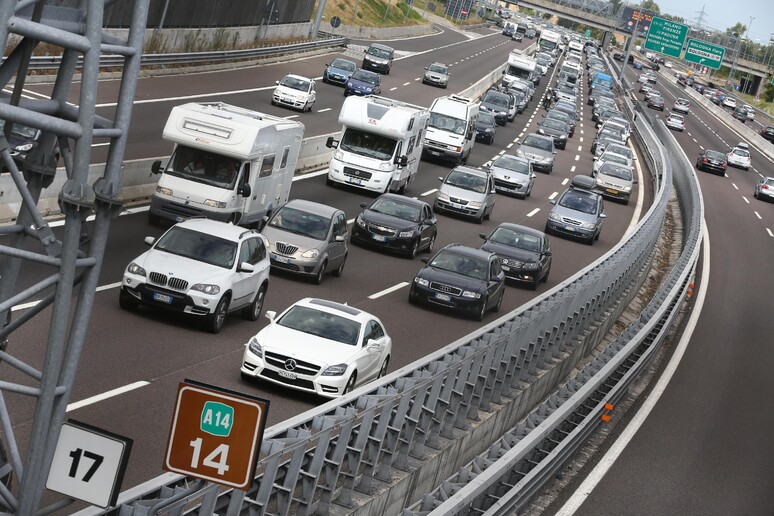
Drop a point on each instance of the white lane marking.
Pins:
(109, 286)
(310, 175)
(553, 196)
(746, 199)
(429, 192)
(323, 110)
(197, 96)
(393, 88)
(501, 153)
(577, 157)
(580, 148)
(701, 147)
(770, 233)
(734, 185)
(291, 116)
(521, 134)
(418, 78)
(581, 131)
(106, 395)
(389, 290)
(509, 146)
(581, 139)
(572, 168)
(758, 215)
(604, 465)
(533, 212)
(406, 83)
(565, 181)
(350, 221)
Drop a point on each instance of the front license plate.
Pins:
(569, 228)
(287, 374)
(354, 180)
(443, 297)
(162, 298)
(379, 238)
(455, 205)
(280, 259)
(612, 191)
(435, 153)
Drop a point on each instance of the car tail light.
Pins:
(724, 164)
(705, 160)
(765, 187)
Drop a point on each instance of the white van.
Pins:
(380, 146)
(451, 131)
(229, 164)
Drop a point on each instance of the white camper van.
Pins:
(229, 164)
(451, 131)
(519, 66)
(380, 146)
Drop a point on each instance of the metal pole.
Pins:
(317, 19)
(354, 11)
(629, 45)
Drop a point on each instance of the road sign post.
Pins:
(216, 434)
(704, 54)
(666, 37)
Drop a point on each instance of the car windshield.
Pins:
(617, 171)
(295, 83)
(555, 124)
(461, 264)
(485, 118)
(711, 154)
(22, 131)
(321, 324)
(301, 223)
(446, 123)
(466, 181)
(683, 102)
(677, 118)
(543, 61)
(395, 208)
(620, 149)
(517, 239)
(496, 99)
(203, 167)
(577, 201)
(437, 68)
(198, 246)
(343, 64)
(607, 134)
(615, 158)
(512, 163)
(368, 144)
(741, 152)
(378, 52)
(558, 115)
(537, 142)
(365, 76)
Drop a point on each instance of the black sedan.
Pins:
(486, 127)
(768, 133)
(396, 223)
(556, 129)
(460, 278)
(525, 253)
(656, 103)
(713, 161)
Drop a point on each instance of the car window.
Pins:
(512, 163)
(296, 83)
(301, 223)
(537, 142)
(395, 208)
(461, 264)
(321, 324)
(578, 202)
(340, 227)
(466, 181)
(198, 246)
(343, 64)
(373, 331)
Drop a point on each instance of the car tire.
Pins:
(431, 243)
(127, 301)
(318, 278)
(383, 368)
(499, 304)
(414, 249)
(340, 270)
(482, 310)
(544, 279)
(533, 285)
(253, 312)
(214, 321)
(480, 220)
(350, 386)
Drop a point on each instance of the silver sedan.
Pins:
(513, 175)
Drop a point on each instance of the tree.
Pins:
(737, 30)
(650, 5)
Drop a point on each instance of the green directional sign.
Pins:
(587, 34)
(704, 54)
(666, 37)
(217, 418)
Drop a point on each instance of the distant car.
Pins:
(579, 212)
(524, 253)
(562, 116)
(615, 180)
(437, 74)
(517, 36)
(295, 91)
(339, 71)
(739, 156)
(675, 121)
(203, 268)
(656, 103)
(21, 141)
(530, 34)
(307, 238)
(767, 132)
(461, 279)
(556, 129)
(637, 65)
(363, 82)
(497, 103)
(604, 138)
(750, 111)
(513, 175)
(378, 58)
(618, 56)
(318, 346)
(712, 160)
(397, 223)
(740, 114)
(609, 157)
(764, 189)
(668, 64)
(466, 191)
(729, 102)
(652, 93)
(540, 150)
(682, 106)
(486, 128)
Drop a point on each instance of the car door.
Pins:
(244, 284)
(490, 196)
(545, 256)
(337, 250)
(426, 225)
(312, 93)
(371, 354)
(496, 281)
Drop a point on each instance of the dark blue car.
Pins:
(339, 71)
(363, 82)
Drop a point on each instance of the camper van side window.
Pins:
(285, 154)
(410, 145)
(267, 165)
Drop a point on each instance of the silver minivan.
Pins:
(467, 191)
(307, 238)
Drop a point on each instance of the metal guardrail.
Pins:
(115, 61)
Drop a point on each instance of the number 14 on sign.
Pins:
(216, 459)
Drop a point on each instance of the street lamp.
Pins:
(736, 52)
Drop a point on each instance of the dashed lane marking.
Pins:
(758, 215)
(323, 110)
(577, 157)
(572, 169)
(393, 88)
(580, 148)
(407, 83)
(389, 290)
(770, 233)
(746, 199)
(565, 181)
(106, 395)
(429, 192)
(533, 212)
(553, 196)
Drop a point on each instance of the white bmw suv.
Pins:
(203, 268)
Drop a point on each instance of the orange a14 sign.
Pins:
(216, 434)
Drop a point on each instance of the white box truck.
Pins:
(549, 41)
(520, 66)
(451, 130)
(229, 164)
(380, 146)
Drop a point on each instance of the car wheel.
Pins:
(387, 188)
(544, 279)
(413, 297)
(747, 168)
(310, 107)
(547, 230)
(338, 272)
(253, 312)
(488, 216)
(482, 310)
(383, 369)
(127, 301)
(499, 304)
(431, 244)
(350, 383)
(318, 278)
(414, 249)
(214, 321)
(480, 220)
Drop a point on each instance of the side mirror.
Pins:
(156, 166)
(331, 143)
(364, 205)
(424, 259)
(402, 161)
(634, 181)
(552, 201)
(547, 253)
(270, 315)
(602, 216)
(246, 191)
(246, 267)
(482, 235)
(326, 65)
(425, 67)
(276, 82)
(440, 178)
(149, 240)
(338, 238)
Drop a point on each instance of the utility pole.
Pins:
(317, 19)
(735, 61)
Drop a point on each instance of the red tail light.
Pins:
(705, 160)
(765, 187)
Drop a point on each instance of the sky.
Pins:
(721, 14)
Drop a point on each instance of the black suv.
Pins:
(378, 58)
(768, 133)
(497, 103)
(461, 278)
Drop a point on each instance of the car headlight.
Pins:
(133, 268)
(206, 288)
(311, 253)
(563, 137)
(254, 347)
(335, 370)
(386, 167)
(406, 234)
(627, 188)
(23, 148)
(471, 294)
(588, 225)
(474, 204)
(502, 113)
(163, 191)
(339, 155)
(541, 131)
(360, 222)
(215, 204)
(421, 281)
(554, 216)
(488, 130)
(520, 153)
(484, 108)
(530, 265)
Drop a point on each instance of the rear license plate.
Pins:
(280, 259)
(379, 238)
(443, 297)
(612, 191)
(287, 374)
(162, 298)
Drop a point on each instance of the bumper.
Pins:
(520, 275)
(502, 186)
(335, 79)
(393, 243)
(374, 182)
(355, 91)
(459, 209)
(326, 386)
(613, 193)
(436, 82)
(569, 230)
(300, 266)
(767, 194)
(431, 149)
(287, 101)
(176, 212)
(165, 299)
(375, 67)
(542, 167)
(427, 295)
(484, 137)
(677, 127)
(711, 167)
(739, 164)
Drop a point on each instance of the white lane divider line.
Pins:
(350, 222)
(746, 199)
(406, 83)
(533, 212)
(25, 306)
(323, 110)
(521, 134)
(509, 146)
(389, 290)
(393, 88)
(418, 78)
(429, 192)
(565, 181)
(581, 139)
(580, 148)
(553, 196)
(572, 168)
(577, 157)
(106, 395)
(769, 232)
(291, 116)
(758, 215)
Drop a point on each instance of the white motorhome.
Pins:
(381, 144)
(451, 130)
(549, 41)
(519, 66)
(229, 164)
